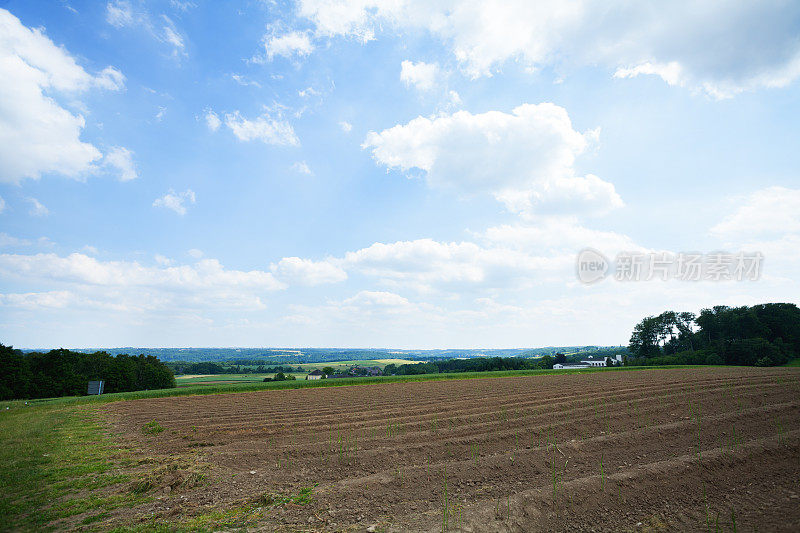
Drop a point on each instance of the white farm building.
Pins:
(588, 363)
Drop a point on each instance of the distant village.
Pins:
(369, 371)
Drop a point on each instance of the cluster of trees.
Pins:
(761, 335)
(67, 373)
(280, 376)
(353, 371)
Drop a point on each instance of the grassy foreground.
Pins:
(60, 466)
(56, 462)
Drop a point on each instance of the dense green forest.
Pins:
(66, 373)
(761, 335)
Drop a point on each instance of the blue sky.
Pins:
(395, 174)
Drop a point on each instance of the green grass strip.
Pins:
(53, 462)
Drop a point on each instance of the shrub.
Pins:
(152, 428)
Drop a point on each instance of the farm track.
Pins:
(517, 454)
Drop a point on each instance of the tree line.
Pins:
(67, 373)
(477, 364)
(760, 335)
(217, 368)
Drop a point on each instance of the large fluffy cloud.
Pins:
(82, 268)
(518, 256)
(721, 47)
(524, 159)
(428, 265)
(38, 134)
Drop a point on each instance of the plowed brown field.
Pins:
(688, 450)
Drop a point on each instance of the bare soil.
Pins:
(684, 450)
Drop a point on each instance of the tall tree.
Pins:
(646, 337)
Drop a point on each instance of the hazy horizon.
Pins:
(365, 348)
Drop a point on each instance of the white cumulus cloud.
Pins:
(706, 45)
(135, 286)
(524, 159)
(82, 268)
(427, 264)
(37, 134)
